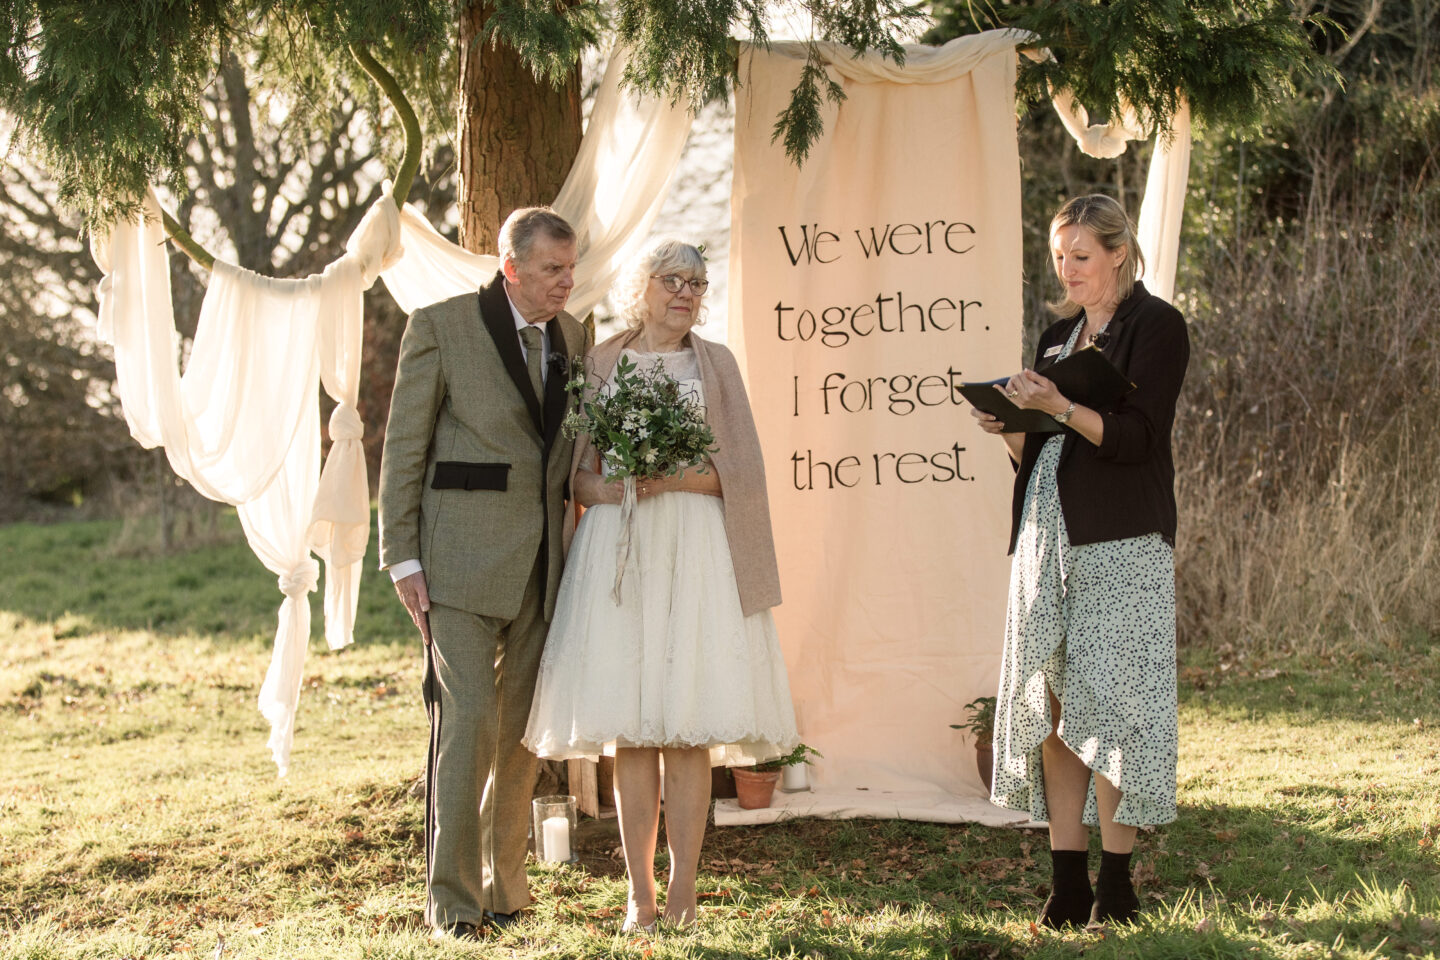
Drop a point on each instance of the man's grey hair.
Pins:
(517, 235)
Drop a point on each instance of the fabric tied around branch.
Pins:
(1163, 207)
(242, 424)
(626, 537)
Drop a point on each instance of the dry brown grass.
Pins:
(1307, 444)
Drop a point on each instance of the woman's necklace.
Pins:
(1102, 336)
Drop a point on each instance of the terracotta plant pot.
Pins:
(985, 762)
(754, 788)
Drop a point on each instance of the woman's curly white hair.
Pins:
(660, 258)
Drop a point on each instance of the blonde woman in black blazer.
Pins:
(1085, 729)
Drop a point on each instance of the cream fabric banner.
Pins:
(865, 286)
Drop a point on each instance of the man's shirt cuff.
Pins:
(399, 571)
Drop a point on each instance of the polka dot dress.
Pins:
(1096, 624)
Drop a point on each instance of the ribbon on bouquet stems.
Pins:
(626, 536)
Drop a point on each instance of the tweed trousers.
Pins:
(479, 680)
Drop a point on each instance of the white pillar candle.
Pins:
(556, 836)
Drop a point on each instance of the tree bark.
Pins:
(518, 136)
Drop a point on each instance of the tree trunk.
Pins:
(518, 136)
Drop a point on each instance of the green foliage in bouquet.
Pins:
(647, 426)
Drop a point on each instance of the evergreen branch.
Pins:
(414, 143)
(681, 49)
(549, 35)
(1229, 58)
(800, 123)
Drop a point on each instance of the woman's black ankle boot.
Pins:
(1115, 900)
(1070, 895)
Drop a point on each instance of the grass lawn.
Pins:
(140, 815)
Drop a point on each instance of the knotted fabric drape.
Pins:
(242, 426)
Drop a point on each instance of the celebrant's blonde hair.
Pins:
(1107, 221)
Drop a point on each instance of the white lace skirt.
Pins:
(675, 663)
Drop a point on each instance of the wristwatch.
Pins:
(1065, 417)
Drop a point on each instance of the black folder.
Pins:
(1086, 376)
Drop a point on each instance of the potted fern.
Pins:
(980, 723)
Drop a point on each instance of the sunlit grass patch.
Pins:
(140, 814)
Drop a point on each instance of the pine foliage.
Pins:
(105, 94)
(549, 36)
(1229, 58)
(683, 49)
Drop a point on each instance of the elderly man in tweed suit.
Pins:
(472, 503)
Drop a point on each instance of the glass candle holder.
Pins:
(554, 829)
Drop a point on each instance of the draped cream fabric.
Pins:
(242, 424)
(1163, 206)
(611, 197)
(1163, 209)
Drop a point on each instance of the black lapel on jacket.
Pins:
(1122, 316)
(495, 311)
(557, 373)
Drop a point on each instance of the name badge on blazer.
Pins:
(457, 475)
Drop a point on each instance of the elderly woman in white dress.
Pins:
(1085, 726)
(686, 666)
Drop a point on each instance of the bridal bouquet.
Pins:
(644, 426)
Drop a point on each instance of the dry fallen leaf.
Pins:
(1205, 925)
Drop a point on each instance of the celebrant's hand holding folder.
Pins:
(1086, 376)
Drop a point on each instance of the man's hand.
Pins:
(416, 597)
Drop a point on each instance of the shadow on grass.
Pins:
(1222, 881)
(84, 577)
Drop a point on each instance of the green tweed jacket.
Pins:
(470, 482)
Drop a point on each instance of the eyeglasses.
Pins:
(673, 283)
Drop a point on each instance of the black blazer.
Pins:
(1126, 486)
